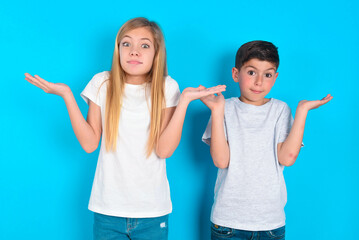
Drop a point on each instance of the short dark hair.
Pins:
(262, 50)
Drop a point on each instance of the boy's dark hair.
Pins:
(262, 50)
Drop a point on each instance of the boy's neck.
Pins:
(259, 102)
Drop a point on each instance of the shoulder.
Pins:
(279, 103)
(170, 85)
(231, 107)
(230, 102)
(95, 90)
(172, 92)
(99, 78)
(280, 106)
(170, 82)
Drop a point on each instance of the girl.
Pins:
(139, 113)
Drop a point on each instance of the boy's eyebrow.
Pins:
(272, 68)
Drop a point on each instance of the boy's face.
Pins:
(256, 78)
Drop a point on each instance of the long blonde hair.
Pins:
(116, 85)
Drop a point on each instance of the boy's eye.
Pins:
(269, 75)
(145, 45)
(251, 73)
(125, 44)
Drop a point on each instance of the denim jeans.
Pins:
(119, 228)
(220, 233)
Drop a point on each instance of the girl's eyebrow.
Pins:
(140, 38)
(146, 39)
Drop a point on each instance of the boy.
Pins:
(251, 139)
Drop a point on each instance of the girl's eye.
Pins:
(125, 44)
(268, 75)
(251, 73)
(145, 45)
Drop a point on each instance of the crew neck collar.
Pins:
(247, 105)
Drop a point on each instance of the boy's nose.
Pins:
(258, 81)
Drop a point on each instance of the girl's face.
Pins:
(137, 52)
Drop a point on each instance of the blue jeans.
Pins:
(119, 228)
(220, 233)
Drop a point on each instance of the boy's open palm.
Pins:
(48, 87)
(309, 105)
(214, 102)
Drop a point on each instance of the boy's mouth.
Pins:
(256, 92)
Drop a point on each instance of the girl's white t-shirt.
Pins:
(127, 183)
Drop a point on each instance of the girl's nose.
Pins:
(134, 52)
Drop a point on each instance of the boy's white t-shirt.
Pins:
(127, 183)
(251, 194)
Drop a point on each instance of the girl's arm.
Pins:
(218, 146)
(289, 149)
(172, 125)
(87, 132)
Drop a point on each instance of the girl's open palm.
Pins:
(191, 93)
(308, 105)
(48, 87)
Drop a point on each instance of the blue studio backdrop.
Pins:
(46, 177)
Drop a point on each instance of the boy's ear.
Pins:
(235, 74)
(275, 76)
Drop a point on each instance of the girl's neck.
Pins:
(136, 80)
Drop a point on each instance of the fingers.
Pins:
(37, 81)
(210, 92)
(326, 99)
(41, 81)
(200, 87)
(317, 103)
(217, 89)
(29, 78)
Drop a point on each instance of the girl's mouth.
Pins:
(134, 62)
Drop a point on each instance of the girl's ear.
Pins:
(235, 74)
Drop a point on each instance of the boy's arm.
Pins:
(218, 146)
(171, 129)
(289, 149)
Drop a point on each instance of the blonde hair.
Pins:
(116, 85)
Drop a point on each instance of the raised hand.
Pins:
(48, 87)
(191, 93)
(214, 102)
(309, 105)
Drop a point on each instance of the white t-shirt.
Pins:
(127, 183)
(251, 194)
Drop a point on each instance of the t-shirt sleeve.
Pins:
(285, 123)
(94, 90)
(206, 138)
(172, 92)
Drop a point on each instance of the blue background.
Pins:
(46, 177)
